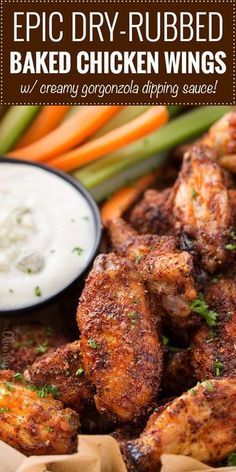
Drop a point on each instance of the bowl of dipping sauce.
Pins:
(50, 231)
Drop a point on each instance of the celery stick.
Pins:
(14, 123)
(105, 189)
(179, 130)
(125, 115)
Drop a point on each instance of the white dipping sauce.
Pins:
(47, 234)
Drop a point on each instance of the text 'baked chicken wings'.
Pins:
(202, 210)
(119, 344)
(166, 271)
(32, 421)
(201, 424)
(214, 351)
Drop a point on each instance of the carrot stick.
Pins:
(121, 200)
(69, 134)
(144, 124)
(46, 121)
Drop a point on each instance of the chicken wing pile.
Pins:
(33, 421)
(155, 364)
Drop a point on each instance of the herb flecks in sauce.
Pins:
(78, 250)
(38, 292)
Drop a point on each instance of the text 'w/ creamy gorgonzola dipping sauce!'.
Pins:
(48, 233)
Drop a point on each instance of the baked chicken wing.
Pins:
(121, 351)
(166, 271)
(200, 423)
(214, 352)
(202, 209)
(153, 213)
(222, 135)
(32, 421)
(221, 138)
(63, 368)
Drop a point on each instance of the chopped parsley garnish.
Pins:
(138, 258)
(80, 371)
(93, 344)
(230, 246)
(233, 235)
(133, 315)
(45, 390)
(200, 306)
(218, 367)
(166, 342)
(4, 409)
(11, 290)
(42, 348)
(206, 384)
(194, 194)
(78, 250)
(18, 377)
(9, 386)
(29, 271)
(49, 429)
(38, 291)
(231, 459)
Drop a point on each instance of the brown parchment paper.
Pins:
(95, 454)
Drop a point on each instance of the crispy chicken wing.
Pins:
(63, 368)
(222, 135)
(202, 209)
(200, 423)
(121, 352)
(32, 422)
(152, 214)
(221, 138)
(166, 271)
(214, 352)
(23, 344)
